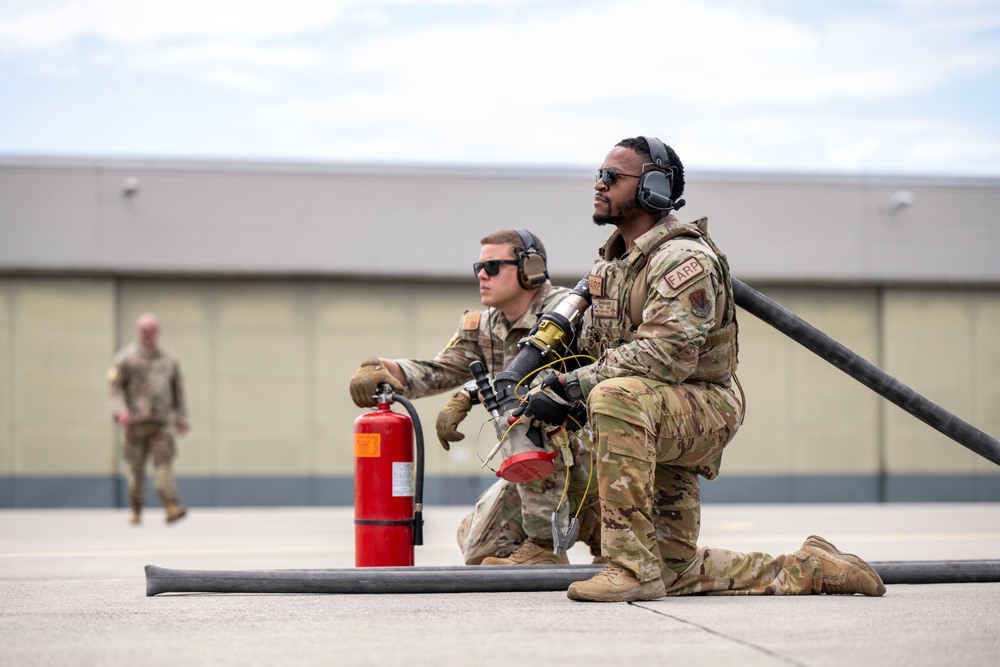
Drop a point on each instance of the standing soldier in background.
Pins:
(147, 400)
(511, 523)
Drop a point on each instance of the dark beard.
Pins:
(601, 219)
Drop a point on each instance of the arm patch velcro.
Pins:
(471, 321)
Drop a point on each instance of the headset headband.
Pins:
(658, 153)
(529, 241)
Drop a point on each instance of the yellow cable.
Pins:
(566, 481)
(590, 475)
(551, 363)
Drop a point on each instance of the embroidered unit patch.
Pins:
(687, 271)
(605, 308)
(596, 285)
(701, 305)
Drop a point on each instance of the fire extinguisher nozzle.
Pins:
(418, 528)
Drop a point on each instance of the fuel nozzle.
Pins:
(527, 458)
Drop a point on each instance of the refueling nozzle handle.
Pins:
(485, 388)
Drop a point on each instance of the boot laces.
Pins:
(527, 548)
(610, 572)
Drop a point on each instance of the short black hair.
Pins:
(640, 147)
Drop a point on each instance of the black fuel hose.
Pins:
(486, 578)
(865, 372)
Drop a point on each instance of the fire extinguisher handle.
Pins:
(384, 393)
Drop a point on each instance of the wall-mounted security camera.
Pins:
(130, 187)
(898, 201)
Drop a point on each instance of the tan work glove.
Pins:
(365, 382)
(450, 417)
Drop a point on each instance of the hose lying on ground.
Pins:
(486, 578)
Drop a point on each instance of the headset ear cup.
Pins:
(531, 271)
(655, 188)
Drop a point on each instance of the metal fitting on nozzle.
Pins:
(384, 393)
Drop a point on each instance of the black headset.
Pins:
(656, 186)
(531, 269)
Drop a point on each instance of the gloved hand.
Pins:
(547, 402)
(577, 417)
(366, 380)
(450, 417)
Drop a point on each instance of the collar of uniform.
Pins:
(667, 226)
(615, 245)
(537, 306)
(146, 353)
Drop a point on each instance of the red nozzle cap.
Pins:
(527, 466)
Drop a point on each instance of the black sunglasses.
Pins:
(610, 175)
(492, 266)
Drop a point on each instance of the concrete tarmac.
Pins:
(72, 589)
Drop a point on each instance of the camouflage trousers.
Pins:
(507, 513)
(142, 440)
(653, 441)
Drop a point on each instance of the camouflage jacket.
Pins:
(483, 335)
(687, 328)
(148, 385)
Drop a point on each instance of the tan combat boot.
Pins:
(615, 584)
(136, 515)
(531, 552)
(175, 512)
(843, 573)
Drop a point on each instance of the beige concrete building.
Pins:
(273, 281)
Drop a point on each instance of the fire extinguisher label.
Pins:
(402, 478)
(367, 444)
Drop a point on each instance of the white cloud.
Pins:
(543, 81)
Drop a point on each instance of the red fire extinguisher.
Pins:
(388, 491)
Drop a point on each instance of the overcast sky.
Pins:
(845, 86)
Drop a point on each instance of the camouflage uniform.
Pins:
(147, 384)
(507, 513)
(662, 408)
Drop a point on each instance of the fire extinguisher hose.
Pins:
(418, 476)
(486, 578)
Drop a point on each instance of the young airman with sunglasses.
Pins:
(511, 523)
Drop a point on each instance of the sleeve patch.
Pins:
(596, 285)
(701, 305)
(684, 273)
(471, 321)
